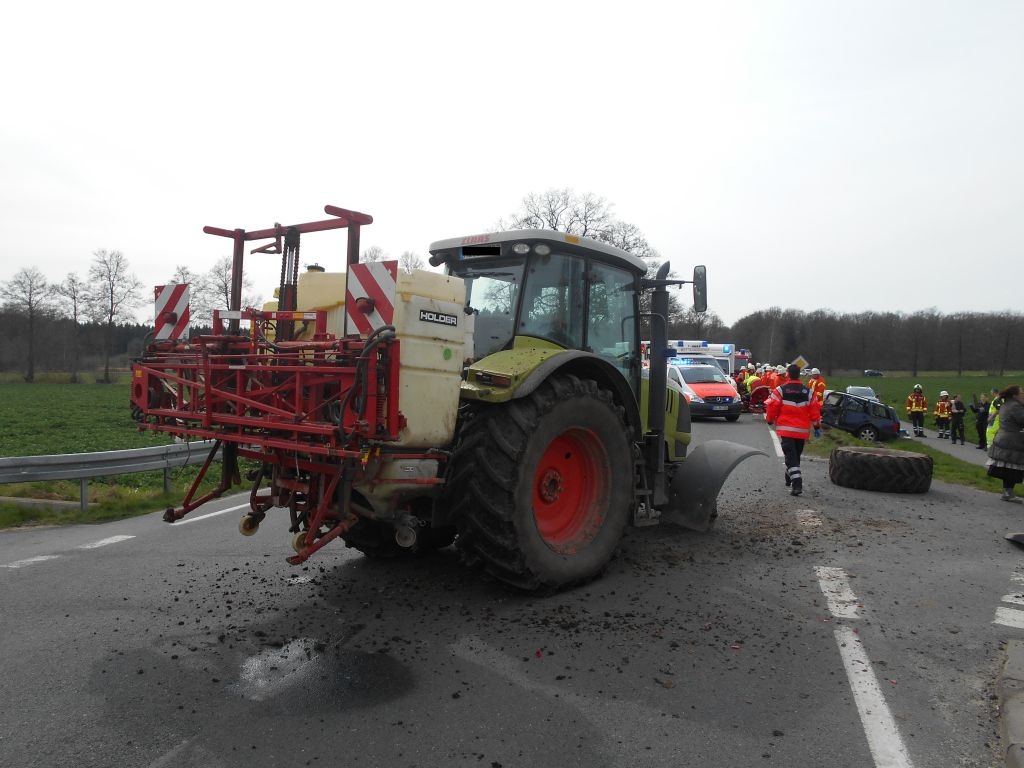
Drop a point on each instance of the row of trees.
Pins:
(82, 318)
(921, 341)
(107, 297)
(96, 315)
(86, 321)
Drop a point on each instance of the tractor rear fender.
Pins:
(693, 494)
(527, 368)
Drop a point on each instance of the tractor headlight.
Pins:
(494, 379)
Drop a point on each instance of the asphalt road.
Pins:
(840, 628)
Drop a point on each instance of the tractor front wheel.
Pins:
(541, 486)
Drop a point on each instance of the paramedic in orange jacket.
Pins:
(794, 411)
(817, 385)
(917, 407)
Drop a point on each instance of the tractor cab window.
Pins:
(554, 300)
(611, 321)
(492, 291)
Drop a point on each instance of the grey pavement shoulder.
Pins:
(1010, 689)
(968, 452)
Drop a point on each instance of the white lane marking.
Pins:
(1016, 599)
(807, 518)
(842, 602)
(887, 748)
(1009, 617)
(778, 443)
(186, 520)
(30, 561)
(104, 542)
(884, 741)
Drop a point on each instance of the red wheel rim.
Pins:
(570, 490)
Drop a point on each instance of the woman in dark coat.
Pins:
(1006, 454)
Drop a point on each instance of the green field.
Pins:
(893, 390)
(50, 418)
(43, 419)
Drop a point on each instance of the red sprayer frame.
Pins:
(314, 412)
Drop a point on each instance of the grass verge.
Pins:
(113, 498)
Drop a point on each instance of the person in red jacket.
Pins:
(794, 411)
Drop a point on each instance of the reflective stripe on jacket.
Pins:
(793, 409)
(943, 409)
(916, 402)
(817, 387)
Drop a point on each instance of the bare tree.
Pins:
(409, 261)
(589, 215)
(695, 325)
(200, 299)
(73, 293)
(563, 210)
(114, 294)
(373, 253)
(218, 287)
(28, 294)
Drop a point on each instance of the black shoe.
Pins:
(797, 490)
(788, 481)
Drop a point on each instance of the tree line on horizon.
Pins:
(75, 324)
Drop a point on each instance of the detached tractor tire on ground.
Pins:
(880, 469)
(541, 487)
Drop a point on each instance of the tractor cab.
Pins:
(545, 290)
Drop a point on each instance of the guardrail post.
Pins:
(84, 494)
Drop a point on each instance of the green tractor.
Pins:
(503, 406)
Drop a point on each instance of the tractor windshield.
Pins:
(492, 291)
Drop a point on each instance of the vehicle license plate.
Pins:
(719, 407)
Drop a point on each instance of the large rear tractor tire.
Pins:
(880, 469)
(541, 487)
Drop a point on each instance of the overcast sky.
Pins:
(851, 156)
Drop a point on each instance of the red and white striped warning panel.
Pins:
(172, 310)
(370, 296)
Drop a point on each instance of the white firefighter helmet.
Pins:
(943, 393)
(917, 387)
(815, 372)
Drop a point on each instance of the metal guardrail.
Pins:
(82, 466)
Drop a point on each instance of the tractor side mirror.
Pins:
(700, 288)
